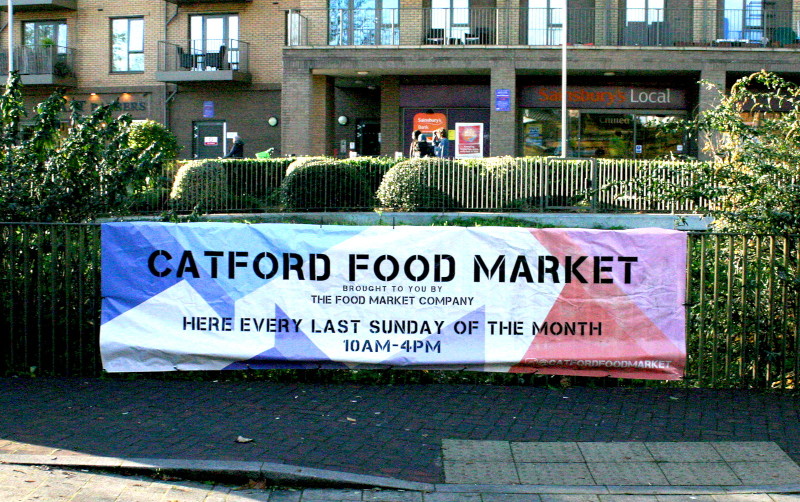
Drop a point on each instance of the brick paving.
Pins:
(393, 431)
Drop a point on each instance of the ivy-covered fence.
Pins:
(507, 184)
(743, 307)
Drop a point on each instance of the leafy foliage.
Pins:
(325, 185)
(752, 136)
(46, 175)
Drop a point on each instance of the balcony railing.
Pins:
(204, 55)
(40, 60)
(749, 27)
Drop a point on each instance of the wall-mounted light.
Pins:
(342, 120)
(272, 121)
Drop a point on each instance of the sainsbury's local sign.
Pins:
(548, 96)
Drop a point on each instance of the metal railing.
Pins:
(743, 305)
(748, 27)
(204, 55)
(40, 60)
(518, 185)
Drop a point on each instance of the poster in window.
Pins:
(469, 140)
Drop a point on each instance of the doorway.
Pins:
(208, 139)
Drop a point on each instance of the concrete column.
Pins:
(306, 113)
(709, 98)
(503, 134)
(391, 128)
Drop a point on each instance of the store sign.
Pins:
(611, 97)
(429, 122)
(469, 140)
(214, 296)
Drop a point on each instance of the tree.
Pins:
(48, 175)
(752, 137)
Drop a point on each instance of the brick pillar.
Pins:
(503, 134)
(391, 128)
(709, 98)
(306, 113)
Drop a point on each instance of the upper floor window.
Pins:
(45, 34)
(545, 21)
(215, 40)
(743, 20)
(127, 44)
(369, 22)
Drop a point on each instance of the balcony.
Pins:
(200, 61)
(41, 5)
(193, 2)
(751, 27)
(42, 65)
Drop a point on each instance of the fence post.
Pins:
(593, 183)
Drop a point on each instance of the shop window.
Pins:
(372, 22)
(594, 134)
(127, 45)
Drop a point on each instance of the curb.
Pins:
(279, 473)
(617, 490)
(287, 474)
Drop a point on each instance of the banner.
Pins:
(215, 296)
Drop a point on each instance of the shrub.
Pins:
(302, 161)
(325, 185)
(372, 169)
(434, 184)
(200, 184)
(47, 176)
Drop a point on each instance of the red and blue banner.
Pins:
(217, 296)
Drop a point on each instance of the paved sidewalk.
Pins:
(396, 437)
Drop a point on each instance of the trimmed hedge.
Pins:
(200, 184)
(325, 185)
(229, 184)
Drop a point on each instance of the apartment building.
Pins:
(343, 77)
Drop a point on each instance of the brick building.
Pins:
(342, 76)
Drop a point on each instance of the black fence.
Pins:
(743, 305)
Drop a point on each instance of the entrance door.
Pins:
(209, 139)
(368, 137)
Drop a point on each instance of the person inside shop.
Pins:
(237, 149)
(441, 144)
(420, 146)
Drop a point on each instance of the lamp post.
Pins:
(563, 81)
(10, 36)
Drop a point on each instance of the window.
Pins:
(451, 16)
(127, 44)
(215, 40)
(45, 34)
(744, 20)
(545, 22)
(353, 22)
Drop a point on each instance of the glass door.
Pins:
(215, 41)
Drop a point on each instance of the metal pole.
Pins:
(564, 81)
(10, 36)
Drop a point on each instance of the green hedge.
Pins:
(229, 184)
(325, 185)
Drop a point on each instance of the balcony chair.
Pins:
(185, 60)
(435, 36)
(216, 59)
(784, 35)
